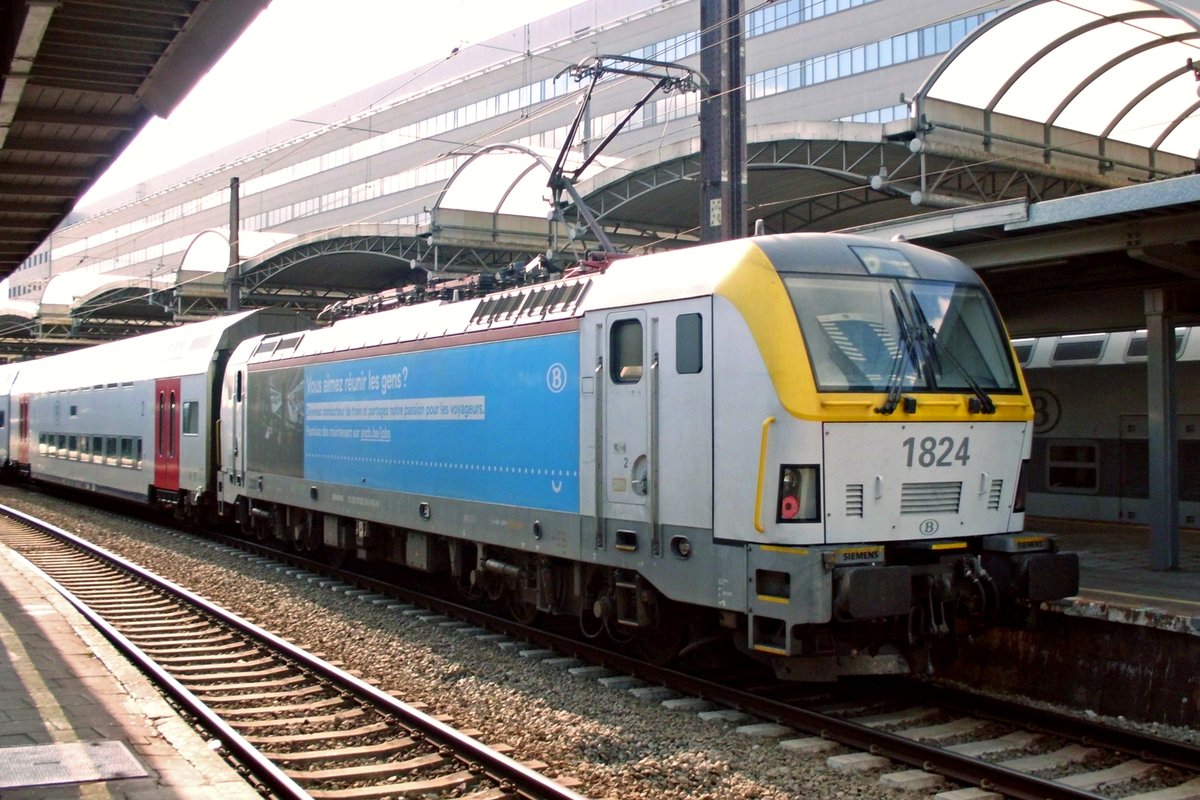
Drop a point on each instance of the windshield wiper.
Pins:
(906, 351)
(982, 403)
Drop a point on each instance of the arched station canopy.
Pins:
(79, 305)
(308, 272)
(499, 200)
(1106, 85)
(17, 319)
(200, 283)
(493, 212)
(1050, 99)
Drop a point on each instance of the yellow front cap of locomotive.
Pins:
(760, 296)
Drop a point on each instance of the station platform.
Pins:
(1117, 582)
(77, 720)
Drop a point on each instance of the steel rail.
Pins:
(960, 768)
(248, 755)
(509, 773)
(1171, 752)
(956, 767)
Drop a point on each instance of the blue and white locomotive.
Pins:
(811, 443)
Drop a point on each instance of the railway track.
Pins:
(301, 727)
(942, 737)
(941, 734)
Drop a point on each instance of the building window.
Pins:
(1073, 467)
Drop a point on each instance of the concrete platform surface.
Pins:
(1117, 581)
(77, 720)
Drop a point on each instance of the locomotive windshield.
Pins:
(886, 334)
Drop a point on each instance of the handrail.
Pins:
(762, 467)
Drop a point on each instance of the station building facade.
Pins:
(383, 155)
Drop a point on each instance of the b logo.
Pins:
(1046, 410)
(928, 527)
(556, 378)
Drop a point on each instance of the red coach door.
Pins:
(167, 426)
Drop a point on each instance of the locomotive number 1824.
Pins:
(931, 451)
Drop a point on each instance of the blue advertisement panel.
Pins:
(496, 422)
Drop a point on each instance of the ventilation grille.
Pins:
(994, 495)
(854, 500)
(930, 498)
(536, 302)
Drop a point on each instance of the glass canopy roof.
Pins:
(509, 179)
(1116, 70)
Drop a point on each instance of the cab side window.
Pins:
(625, 351)
(689, 344)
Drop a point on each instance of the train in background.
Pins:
(1090, 454)
(813, 445)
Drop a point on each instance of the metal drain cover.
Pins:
(77, 762)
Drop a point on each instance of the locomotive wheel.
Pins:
(336, 557)
(659, 647)
(523, 612)
(660, 643)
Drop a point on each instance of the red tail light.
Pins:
(799, 493)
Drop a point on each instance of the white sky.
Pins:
(301, 54)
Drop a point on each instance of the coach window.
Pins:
(1137, 348)
(161, 426)
(2, 420)
(1073, 466)
(85, 448)
(97, 449)
(110, 450)
(73, 447)
(1024, 350)
(625, 351)
(689, 344)
(137, 449)
(126, 451)
(171, 429)
(1080, 347)
(41, 444)
(191, 418)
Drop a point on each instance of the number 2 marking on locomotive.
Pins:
(934, 452)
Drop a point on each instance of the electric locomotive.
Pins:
(811, 443)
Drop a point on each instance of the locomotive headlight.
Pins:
(799, 493)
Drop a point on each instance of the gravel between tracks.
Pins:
(618, 745)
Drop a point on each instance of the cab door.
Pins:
(167, 428)
(627, 380)
(233, 428)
